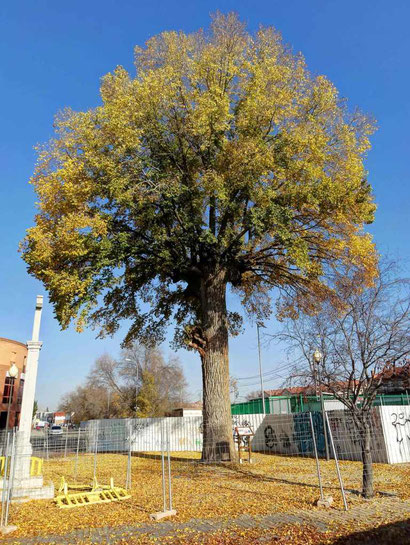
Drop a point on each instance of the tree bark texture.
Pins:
(367, 490)
(217, 422)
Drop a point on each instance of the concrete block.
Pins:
(7, 529)
(21, 494)
(326, 502)
(163, 514)
(28, 482)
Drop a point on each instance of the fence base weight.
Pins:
(325, 502)
(7, 529)
(163, 514)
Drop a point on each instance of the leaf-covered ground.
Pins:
(272, 484)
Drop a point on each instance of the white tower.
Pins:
(30, 379)
(26, 485)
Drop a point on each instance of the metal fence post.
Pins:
(128, 482)
(169, 475)
(95, 450)
(76, 456)
(45, 443)
(316, 456)
(337, 464)
(163, 470)
(5, 483)
(11, 478)
(322, 408)
(66, 440)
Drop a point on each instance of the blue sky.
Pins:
(53, 55)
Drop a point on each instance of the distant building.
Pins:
(396, 380)
(187, 409)
(59, 418)
(11, 351)
(44, 416)
(394, 390)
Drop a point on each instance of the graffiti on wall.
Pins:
(303, 433)
(401, 425)
(281, 439)
(396, 432)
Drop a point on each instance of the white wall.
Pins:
(333, 405)
(288, 434)
(191, 412)
(276, 435)
(396, 429)
(346, 437)
(185, 433)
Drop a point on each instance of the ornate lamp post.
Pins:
(317, 358)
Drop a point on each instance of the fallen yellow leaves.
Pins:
(271, 484)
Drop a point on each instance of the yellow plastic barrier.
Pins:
(36, 466)
(88, 495)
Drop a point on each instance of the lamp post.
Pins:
(258, 326)
(317, 359)
(13, 374)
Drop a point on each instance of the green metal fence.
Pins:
(301, 403)
(400, 399)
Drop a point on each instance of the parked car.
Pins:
(41, 425)
(56, 430)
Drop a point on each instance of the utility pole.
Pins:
(258, 326)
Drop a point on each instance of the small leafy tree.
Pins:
(223, 162)
(362, 333)
(168, 375)
(35, 408)
(147, 398)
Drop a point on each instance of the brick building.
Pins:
(11, 351)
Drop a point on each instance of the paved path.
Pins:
(320, 519)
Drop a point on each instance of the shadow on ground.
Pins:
(396, 533)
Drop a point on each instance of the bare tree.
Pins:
(115, 388)
(106, 373)
(233, 389)
(362, 334)
(251, 396)
(86, 402)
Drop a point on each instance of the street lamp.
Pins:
(317, 359)
(13, 374)
(258, 326)
(317, 355)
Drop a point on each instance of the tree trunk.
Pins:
(367, 490)
(217, 422)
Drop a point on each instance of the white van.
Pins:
(41, 425)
